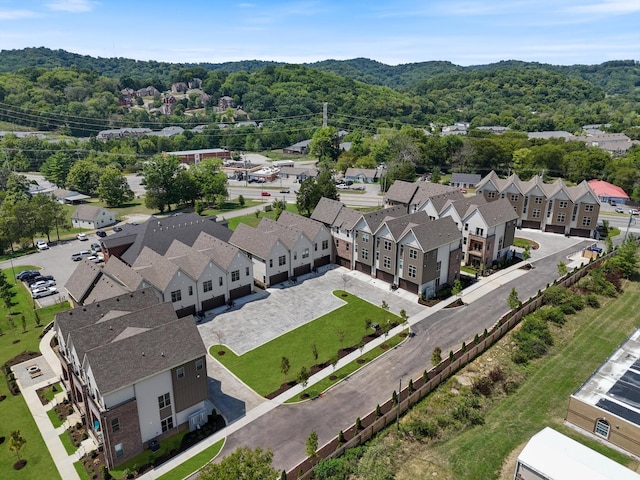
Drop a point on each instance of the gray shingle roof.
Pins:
(327, 210)
(398, 226)
(463, 205)
(427, 190)
(497, 212)
(87, 212)
(401, 192)
(347, 219)
(436, 233)
(104, 288)
(190, 261)
(289, 236)
(310, 227)
(222, 253)
(123, 273)
(82, 280)
(158, 233)
(468, 178)
(374, 219)
(254, 241)
(156, 269)
(128, 360)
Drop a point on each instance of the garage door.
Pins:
(343, 262)
(319, 262)
(240, 292)
(408, 286)
(531, 224)
(580, 232)
(211, 303)
(278, 278)
(361, 267)
(301, 270)
(387, 277)
(183, 312)
(554, 228)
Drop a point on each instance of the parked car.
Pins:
(634, 211)
(82, 237)
(96, 258)
(117, 229)
(24, 274)
(76, 257)
(39, 278)
(284, 190)
(43, 292)
(101, 233)
(619, 210)
(595, 248)
(42, 245)
(42, 283)
(265, 194)
(96, 247)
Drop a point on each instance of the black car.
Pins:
(101, 233)
(33, 280)
(27, 274)
(117, 229)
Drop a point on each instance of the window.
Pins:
(190, 290)
(514, 197)
(438, 266)
(164, 400)
(295, 255)
(563, 204)
(305, 253)
(536, 213)
(365, 237)
(176, 296)
(464, 240)
(115, 424)
(315, 247)
(502, 195)
(347, 246)
(561, 217)
(413, 253)
(180, 372)
(466, 227)
(235, 275)
(586, 221)
(387, 245)
(207, 285)
(479, 231)
(602, 428)
(246, 272)
(588, 208)
(167, 424)
(199, 364)
(491, 194)
(537, 200)
(220, 281)
(271, 263)
(365, 254)
(386, 262)
(119, 448)
(325, 244)
(411, 270)
(282, 260)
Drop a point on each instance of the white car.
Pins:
(43, 292)
(41, 284)
(634, 211)
(619, 210)
(82, 237)
(42, 245)
(96, 258)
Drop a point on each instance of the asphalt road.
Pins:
(286, 428)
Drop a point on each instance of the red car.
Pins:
(265, 194)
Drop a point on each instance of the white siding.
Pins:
(147, 393)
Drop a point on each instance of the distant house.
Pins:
(464, 180)
(299, 173)
(195, 156)
(608, 192)
(225, 102)
(179, 87)
(299, 148)
(362, 175)
(68, 197)
(90, 217)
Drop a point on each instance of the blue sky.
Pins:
(465, 32)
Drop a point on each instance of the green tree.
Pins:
(113, 188)
(84, 176)
(512, 300)
(56, 168)
(436, 356)
(209, 178)
(436, 176)
(244, 463)
(16, 443)
(160, 174)
(303, 377)
(326, 186)
(47, 214)
(307, 196)
(562, 269)
(6, 291)
(325, 144)
(626, 258)
(285, 366)
(456, 289)
(311, 445)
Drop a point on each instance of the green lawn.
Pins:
(53, 416)
(231, 206)
(347, 370)
(253, 221)
(591, 336)
(523, 242)
(51, 391)
(343, 327)
(67, 443)
(194, 463)
(14, 412)
(82, 472)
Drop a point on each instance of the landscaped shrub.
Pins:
(509, 387)
(552, 314)
(422, 429)
(482, 386)
(532, 339)
(555, 295)
(592, 300)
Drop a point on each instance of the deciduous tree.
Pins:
(244, 463)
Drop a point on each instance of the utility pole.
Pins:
(324, 114)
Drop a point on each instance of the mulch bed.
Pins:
(19, 465)
(456, 303)
(23, 357)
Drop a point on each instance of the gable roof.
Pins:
(123, 273)
(82, 280)
(311, 228)
(104, 288)
(469, 178)
(158, 234)
(436, 233)
(254, 241)
(401, 192)
(606, 189)
(463, 205)
(375, 218)
(289, 236)
(88, 213)
(155, 269)
(190, 261)
(497, 212)
(326, 210)
(399, 225)
(365, 172)
(221, 253)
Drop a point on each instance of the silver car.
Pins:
(41, 284)
(43, 292)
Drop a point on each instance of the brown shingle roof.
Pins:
(436, 233)
(398, 226)
(401, 192)
(222, 253)
(327, 210)
(497, 212)
(156, 269)
(123, 273)
(82, 280)
(190, 261)
(254, 241)
(310, 227)
(374, 219)
(289, 236)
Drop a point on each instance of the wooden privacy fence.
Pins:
(389, 412)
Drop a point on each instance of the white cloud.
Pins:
(606, 7)
(17, 14)
(74, 6)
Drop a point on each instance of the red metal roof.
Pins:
(606, 189)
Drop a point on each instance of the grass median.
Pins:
(261, 368)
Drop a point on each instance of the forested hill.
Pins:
(614, 77)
